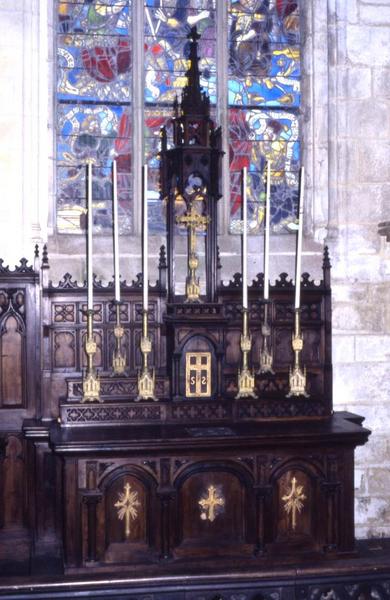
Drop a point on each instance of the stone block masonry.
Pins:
(361, 277)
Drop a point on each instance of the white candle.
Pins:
(298, 257)
(145, 237)
(244, 242)
(115, 232)
(266, 232)
(89, 237)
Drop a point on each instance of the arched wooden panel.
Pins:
(295, 505)
(64, 350)
(13, 483)
(213, 514)
(126, 517)
(12, 367)
(126, 511)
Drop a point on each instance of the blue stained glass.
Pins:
(93, 112)
(92, 131)
(272, 92)
(93, 71)
(264, 55)
(167, 46)
(96, 17)
(264, 95)
(154, 120)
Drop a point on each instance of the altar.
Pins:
(183, 426)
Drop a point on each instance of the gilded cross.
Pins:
(126, 506)
(193, 221)
(294, 501)
(211, 503)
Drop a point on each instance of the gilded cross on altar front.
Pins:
(211, 503)
(294, 501)
(193, 221)
(126, 505)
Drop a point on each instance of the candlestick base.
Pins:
(297, 382)
(146, 385)
(91, 387)
(246, 384)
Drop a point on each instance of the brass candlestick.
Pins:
(297, 377)
(246, 378)
(118, 359)
(266, 358)
(91, 383)
(146, 378)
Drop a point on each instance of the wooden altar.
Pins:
(200, 478)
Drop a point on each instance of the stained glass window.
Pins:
(264, 97)
(94, 118)
(166, 25)
(166, 45)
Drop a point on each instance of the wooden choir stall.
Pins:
(179, 428)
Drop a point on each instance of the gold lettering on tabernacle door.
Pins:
(198, 374)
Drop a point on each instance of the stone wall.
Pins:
(346, 138)
(26, 139)
(359, 140)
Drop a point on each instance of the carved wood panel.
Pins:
(65, 350)
(126, 513)
(12, 348)
(213, 515)
(13, 489)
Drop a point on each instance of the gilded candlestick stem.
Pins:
(266, 358)
(146, 378)
(246, 379)
(297, 377)
(118, 359)
(91, 383)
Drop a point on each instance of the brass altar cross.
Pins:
(294, 501)
(211, 503)
(193, 221)
(126, 506)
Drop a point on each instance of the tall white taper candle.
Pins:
(266, 231)
(145, 236)
(244, 242)
(115, 231)
(298, 256)
(89, 236)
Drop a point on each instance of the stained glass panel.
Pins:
(93, 113)
(167, 23)
(264, 98)
(94, 116)
(88, 72)
(155, 118)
